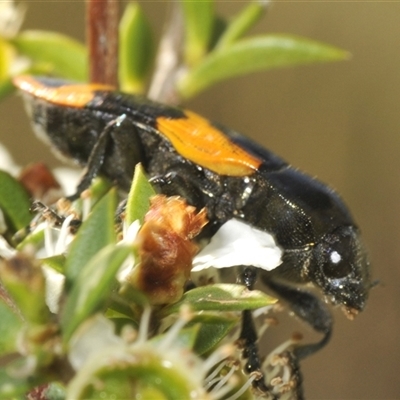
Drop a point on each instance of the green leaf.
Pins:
(24, 280)
(6, 60)
(6, 57)
(129, 295)
(242, 23)
(57, 263)
(213, 328)
(24, 238)
(67, 57)
(138, 200)
(6, 88)
(12, 387)
(92, 287)
(98, 189)
(199, 18)
(255, 54)
(136, 51)
(186, 338)
(10, 328)
(221, 297)
(94, 234)
(14, 201)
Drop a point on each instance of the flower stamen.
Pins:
(244, 387)
(184, 317)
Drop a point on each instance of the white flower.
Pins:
(95, 351)
(6, 161)
(129, 235)
(11, 18)
(94, 334)
(68, 179)
(55, 280)
(6, 251)
(54, 287)
(238, 243)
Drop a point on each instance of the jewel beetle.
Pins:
(211, 166)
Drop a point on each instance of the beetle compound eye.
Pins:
(338, 261)
(342, 268)
(337, 253)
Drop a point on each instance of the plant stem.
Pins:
(169, 59)
(102, 17)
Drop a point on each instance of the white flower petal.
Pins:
(7, 163)
(94, 335)
(68, 178)
(129, 236)
(64, 237)
(238, 243)
(3, 225)
(11, 17)
(54, 287)
(131, 232)
(6, 251)
(126, 268)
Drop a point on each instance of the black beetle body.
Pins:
(109, 132)
(310, 222)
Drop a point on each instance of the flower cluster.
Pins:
(108, 313)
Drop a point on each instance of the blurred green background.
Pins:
(340, 122)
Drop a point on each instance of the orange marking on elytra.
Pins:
(76, 95)
(197, 140)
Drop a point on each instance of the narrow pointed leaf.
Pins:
(10, 327)
(24, 280)
(65, 56)
(14, 201)
(199, 21)
(136, 49)
(186, 338)
(221, 297)
(35, 238)
(94, 234)
(57, 263)
(256, 54)
(92, 287)
(6, 59)
(242, 23)
(98, 189)
(6, 56)
(213, 328)
(6, 88)
(139, 195)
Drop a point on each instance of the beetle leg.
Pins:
(310, 309)
(122, 158)
(94, 163)
(124, 152)
(174, 184)
(248, 335)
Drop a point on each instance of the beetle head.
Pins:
(342, 268)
